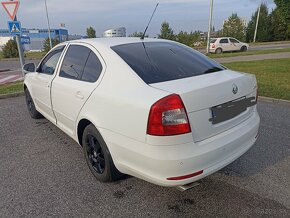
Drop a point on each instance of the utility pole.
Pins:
(48, 25)
(209, 26)
(257, 22)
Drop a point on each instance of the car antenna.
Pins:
(143, 36)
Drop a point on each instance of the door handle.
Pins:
(79, 95)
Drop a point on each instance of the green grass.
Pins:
(35, 55)
(27, 55)
(273, 76)
(235, 54)
(11, 88)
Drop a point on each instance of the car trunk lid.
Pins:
(214, 102)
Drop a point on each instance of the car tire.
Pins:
(218, 51)
(31, 106)
(98, 156)
(244, 49)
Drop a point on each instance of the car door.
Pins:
(41, 82)
(235, 45)
(225, 45)
(78, 76)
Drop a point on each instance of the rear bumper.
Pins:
(157, 163)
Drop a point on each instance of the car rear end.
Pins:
(213, 45)
(208, 119)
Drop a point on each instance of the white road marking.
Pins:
(8, 78)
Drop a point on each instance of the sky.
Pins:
(77, 15)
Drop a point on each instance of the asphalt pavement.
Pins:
(43, 174)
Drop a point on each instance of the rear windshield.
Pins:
(213, 40)
(156, 62)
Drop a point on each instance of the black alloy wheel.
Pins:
(98, 156)
(30, 106)
(95, 154)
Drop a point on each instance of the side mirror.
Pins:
(30, 67)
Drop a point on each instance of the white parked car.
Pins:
(154, 109)
(227, 44)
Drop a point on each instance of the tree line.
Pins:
(273, 26)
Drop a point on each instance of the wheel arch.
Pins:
(220, 49)
(82, 124)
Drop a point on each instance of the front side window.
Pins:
(81, 63)
(49, 63)
(224, 41)
(74, 62)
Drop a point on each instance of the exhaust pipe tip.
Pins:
(186, 187)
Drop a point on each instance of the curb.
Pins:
(274, 100)
(4, 70)
(17, 94)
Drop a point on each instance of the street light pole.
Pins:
(48, 25)
(257, 22)
(209, 26)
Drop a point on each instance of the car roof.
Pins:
(114, 41)
(226, 37)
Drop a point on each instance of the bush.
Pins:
(10, 49)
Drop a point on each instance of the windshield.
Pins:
(156, 62)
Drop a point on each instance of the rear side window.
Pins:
(74, 62)
(224, 41)
(233, 40)
(164, 61)
(92, 69)
(80, 63)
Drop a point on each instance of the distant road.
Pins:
(15, 64)
(253, 57)
(266, 47)
(261, 47)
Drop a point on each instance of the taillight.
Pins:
(168, 117)
(213, 46)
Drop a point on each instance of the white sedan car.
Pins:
(227, 44)
(154, 109)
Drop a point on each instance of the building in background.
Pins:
(118, 32)
(33, 39)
